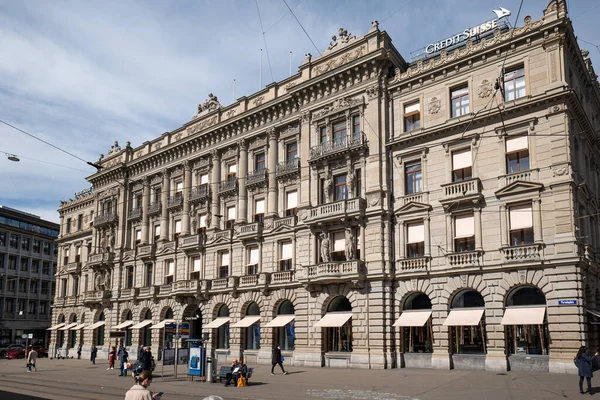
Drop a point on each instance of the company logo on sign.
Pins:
(468, 33)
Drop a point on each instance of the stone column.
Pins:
(503, 226)
(187, 185)
(427, 245)
(449, 234)
(402, 240)
(242, 172)
(145, 205)
(537, 222)
(164, 198)
(272, 201)
(215, 179)
(477, 215)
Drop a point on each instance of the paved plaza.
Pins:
(77, 379)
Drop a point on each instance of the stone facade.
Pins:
(297, 198)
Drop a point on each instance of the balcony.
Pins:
(248, 281)
(530, 252)
(135, 214)
(96, 296)
(165, 290)
(101, 258)
(199, 193)
(332, 272)
(175, 202)
(155, 208)
(128, 294)
(147, 292)
(337, 147)
(421, 197)
(190, 288)
(146, 250)
(408, 265)
(461, 191)
(226, 234)
(464, 259)
(229, 186)
(287, 221)
(530, 175)
(337, 210)
(73, 268)
(228, 284)
(250, 231)
(192, 242)
(105, 219)
(289, 167)
(257, 178)
(281, 277)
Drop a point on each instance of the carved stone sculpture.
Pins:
(325, 247)
(211, 104)
(113, 239)
(350, 250)
(350, 177)
(194, 219)
(343, 37)
(328, 188)
(107, 280)
(115, 148)
(103, 243)
(97, 281)
(208, 219)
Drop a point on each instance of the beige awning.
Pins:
(77, 327)
(55, 327)
(123, 324)
(464, 317)
(413, 318)
(246, 321)
(67, 327)
(216, 323)
(142, 324)
(162, 323)
(280, 320)
(333, 320)
(523, 316)
(95, 325)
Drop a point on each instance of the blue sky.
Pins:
(82, 74)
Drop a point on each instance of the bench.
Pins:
(224, 370)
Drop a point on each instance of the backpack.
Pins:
(577, 361)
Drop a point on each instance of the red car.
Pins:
(20, 353)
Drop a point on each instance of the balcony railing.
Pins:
(174, 202)
(257, 177)
(421, 197)
(97, 296)
(129, 294)
(134, 214)
(338, 146)
(230, 185)
(199, 193)
(190, 288)
(528, 176)
(189, 242)
(219, 284)
(226, 234)
(105, 219)
(339, 209)
(522, 253)
(289, 221)
(101, 258)
(414, 264)
(466, 190)
(288, 167)
(252, 230)
(332, 271)
(155, 208)
(147, 292)
(73, 268)
(146, 250)
(464, 259)
(165, 290)
(249, 281)
(281, 277)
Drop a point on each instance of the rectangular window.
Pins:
(322, 194)
(358, 178)
(80, 222)
(75, 285)
(412, 116)
(414, 178)
(36, 246)
(13, 241)
(460, 101)
(203, 179)
(25, 243)
(291, 203)
(149, 270)
(46, 248)
(259, 162)
(521, 225)
(231, 171)
(356, 126)
(340, 190)
(24, 264)
(178, 227)
(35, 266)
(514, 83)
(461, 165)
(9, 305)
(63, 288)
(224, 265)
(169, 271)
(517, 154)
(11, 284)
(46, 268)
(252, 261)
(291, 152)
(32, 308)
(202, 221)
(259, 210)
(196, 266)
(137, 197)
(2, 239)
(156, 195)
(138, 236)
(339, 132)
(416, 240)
(464, 233)
(68, 226)
(230, 217)
(339, 246)
(323, 134)
(67, 255)
(285, 259)
(156, 233)
(129, 278)
(12, 263)
(78, 254)
(33, 287)
(179, 188)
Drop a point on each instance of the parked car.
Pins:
(14, 353)
(3, 349)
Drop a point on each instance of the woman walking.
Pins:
(93, 355)
(277, 358)
(584, 366)
(111, 358)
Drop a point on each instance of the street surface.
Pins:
(77, 379)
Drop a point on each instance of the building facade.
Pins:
(366, 212)
(27, 268)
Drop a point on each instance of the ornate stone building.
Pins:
(366, 212)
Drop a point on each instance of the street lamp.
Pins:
(12, 157)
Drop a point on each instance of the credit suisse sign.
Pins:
(468, 33)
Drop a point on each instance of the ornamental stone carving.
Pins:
(206, 123)
(258, 101)
(485, 89)
(374, 92)
(350, 247)
(434, 106)
(115, 148)
(337, 106)
(325, 250)
(342, 38)
(211, 104)
(339, 61)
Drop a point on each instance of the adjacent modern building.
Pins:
(27, 269)
(367, 212)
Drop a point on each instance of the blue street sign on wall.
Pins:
(567, 302)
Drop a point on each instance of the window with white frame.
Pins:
(252, 267)
(202, 223)
(259, 210)
(356, 127)
(464, 233)
(129, 277)
(412, 116)
(340, 190)
(224, 264)
(322, 134)
(177, 229)
(521, 224)
(339, 246)
(231, 171)
(196, 267)
(291, 152)
(413, 176)
(415, 245)
(67, 254)
(203, 179)
(149, 274)
(461, 165)
(179, 188)
(78, 254)
(138, 236)
(514, 82)
(460, 101)
(291, 203)
(156, 233)
(517, 154)
(169, 271)
(230, 217)
(285, 258)
(339, 132)
(259, 161)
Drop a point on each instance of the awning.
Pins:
(55, 327)
(593, 312)
(280, 320)
(77, 327)
(413, 318)
(216, 323)
(142, 324)
(94, 326)
(246, 321)
(333, 320)
(67, 327)
(464, 317)
(162, 323)
(524, 316)
(123, 324)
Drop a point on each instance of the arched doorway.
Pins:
(252, 332)
(337, 324)
(100, 331)
(525, 322)
(415, 324)
(467, 323)
(146, 332)
(222, 339)
(60, 335)
(73, 333)
(284, 327)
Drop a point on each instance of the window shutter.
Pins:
(197, 264)
(416, 233)
(177, 226)
(286, 251)
(339, 241)
(230, 213)
(461, 159)
(521, 217)
(464, 226)
(202, 220)
(516, 143)
(224, 259)
(292, 199)
(411, 109)
(203, 179)
(259, 206)
(253, 256)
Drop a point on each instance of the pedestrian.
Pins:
(583, 361)
(31, 360)
(277, 358)
(140, 352)
(111, 358)
(93, 354)
(79, 352)
(235, 367)
(123, 360)
(146, 359)
(140, 391)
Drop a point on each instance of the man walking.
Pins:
(123, 360)
(146, 359)
(93, 354)
(277, 358)
(31, 360)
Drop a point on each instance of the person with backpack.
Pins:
(277, 358)
(583, 361)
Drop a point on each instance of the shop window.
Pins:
(464, 233)
(521, 225)
(460, 101)
(259, 162)
(146, 331)
(415, 247)
(196, 268)
(339, 132)
(252, 341)
(461, 165)
(414, 178)
(223, 330)
(340, 191)
(412, 116)
(468, 334)
(525, 322)
(100, 331)
(339, 339)
(514, 83)
(417, 332)
(224, 265)
(286, 335)
(252, 267)
(285, 258)
(291, 203)
(517, 154)
(259, 210)
(339, 246)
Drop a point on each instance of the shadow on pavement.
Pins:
(16, 396)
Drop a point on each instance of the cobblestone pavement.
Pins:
(77, 379)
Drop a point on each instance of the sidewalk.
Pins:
(77, 379)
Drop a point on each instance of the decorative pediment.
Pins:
(202, 163)
(290, 131)
(338, 106)
(519, 187)
(231, 152)
(413, 207)
(164, 248)
(258, 143)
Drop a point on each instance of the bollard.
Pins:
(209, 370)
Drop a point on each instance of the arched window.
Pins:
(147, 333)
(253, 331)
(468, 321)
(286, 334)
(169, 313)
(223, 330)
(415, 324)
(128, 334)
(60, 335)
(338, 325)
(101, 330)
(524, 321)
(73, 333)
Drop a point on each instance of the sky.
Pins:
(82, 74)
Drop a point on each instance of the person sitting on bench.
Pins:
(237, 369)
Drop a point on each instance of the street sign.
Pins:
(24, 336)
(184, 329)
(567, 302)
(30, 336)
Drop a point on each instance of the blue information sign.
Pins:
(567, 302)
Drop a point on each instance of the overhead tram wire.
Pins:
(98, 167)
(282, 17)
(46, 162)
(306, 33)
(265, 40)
(397, 11)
